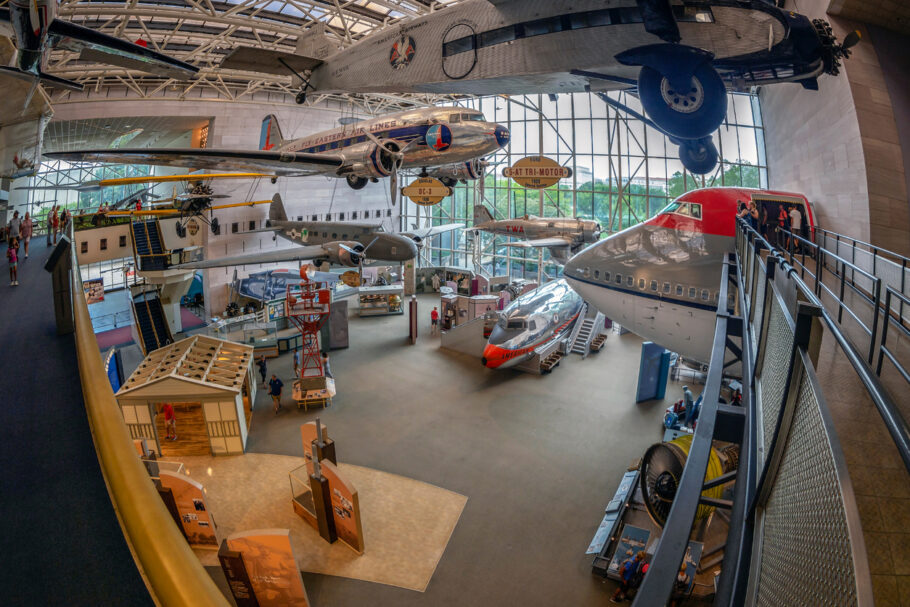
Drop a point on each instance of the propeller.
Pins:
(397, 160)
(851, 40)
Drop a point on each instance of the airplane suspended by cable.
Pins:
(337, 243)
(678, 57)
(562, 236)
(660, 278)
(360, 152)
(35, 30)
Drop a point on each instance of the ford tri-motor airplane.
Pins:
(334, 242)
(531, 321)
(660, 278)
(359, 152)
(679, 56)
(562, 236)
(35, 30)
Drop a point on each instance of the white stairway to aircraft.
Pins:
(586, 332)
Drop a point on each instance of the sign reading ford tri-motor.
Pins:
(536, 172)
(426, 191)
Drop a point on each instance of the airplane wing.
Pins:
(303, 253)
(95, 46)
(540, 242)
(424, 233)
(266, 61)
(21, 127)
(88, 186)
(281, 164)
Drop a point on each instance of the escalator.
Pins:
(151, 322)
(149, 245)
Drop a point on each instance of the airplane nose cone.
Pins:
(502, 135)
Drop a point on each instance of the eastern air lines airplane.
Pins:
(447, 138)
(660, 278)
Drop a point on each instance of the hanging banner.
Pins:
(426, 191)
(345, 507)
(198, 526)
(536, 172)
(271, 571)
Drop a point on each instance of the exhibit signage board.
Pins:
(426, 191)
(198, 526)
(345, 508)
(93, 289)
(270, 568)
(308, 435)
(536, 172)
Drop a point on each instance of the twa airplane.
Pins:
(448, 139)
(534, 319)
(660, 279)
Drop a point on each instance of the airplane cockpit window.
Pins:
(682, 210)
(475, 117)
(516, 323)
(670, 208)
(695, 210)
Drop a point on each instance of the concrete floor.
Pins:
(539, 457)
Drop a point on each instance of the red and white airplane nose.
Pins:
(495, 357)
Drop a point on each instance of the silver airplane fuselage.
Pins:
(576, 232)
(384, 246)
(428, 137)
(660, 279)
(30, 21)
(534, 319)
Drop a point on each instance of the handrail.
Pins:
(897, 426)
(172, 572)
(875, 249)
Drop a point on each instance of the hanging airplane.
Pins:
(35, 30)
(359, 152)
(679, 57)
(660, 278)
(21, 124)
(531, 321)
(337, 243)
(562, 236)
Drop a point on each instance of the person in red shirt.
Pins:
(170, 422)
(434, 322)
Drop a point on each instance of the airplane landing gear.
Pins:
(448, 182)
(300, 98)
(357, 183)
(691, 111)
(699, 156)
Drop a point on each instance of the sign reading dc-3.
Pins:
(536, 172)
(427, 191)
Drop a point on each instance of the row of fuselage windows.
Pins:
(684, 291)
(353, 216)
(564, 23)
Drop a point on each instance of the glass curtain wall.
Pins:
(622, 173)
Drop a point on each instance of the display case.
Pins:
(302, 495)
(263, 336)
(377, 301)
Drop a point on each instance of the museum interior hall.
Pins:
(425, 303)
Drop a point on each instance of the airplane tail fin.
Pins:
(481, 214)
(270, 135)
(276, 209)
(314, 43)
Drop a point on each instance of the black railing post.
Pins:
(881, 347)
(840, 299)
(877, 300)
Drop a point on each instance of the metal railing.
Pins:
(172, 572)
(866, 289)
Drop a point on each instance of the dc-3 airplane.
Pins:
(448, 139)
(33, 26)
(678, 56)
(534, 319)
(562, 236)
(660, 278)
(338, 243)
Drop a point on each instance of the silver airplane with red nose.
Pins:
(660, 278)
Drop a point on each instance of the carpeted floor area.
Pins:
(62, 544)
(406, 523)
(538, 458)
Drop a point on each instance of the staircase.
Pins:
(148, 243)
(587, 333)
(150, 321)
(551, 361)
